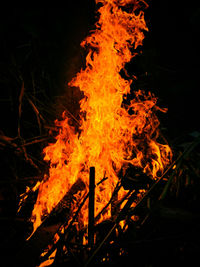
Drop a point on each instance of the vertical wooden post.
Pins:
(113, 205)
(91, 208)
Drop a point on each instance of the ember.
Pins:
(116, 131)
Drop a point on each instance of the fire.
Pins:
(112, 133)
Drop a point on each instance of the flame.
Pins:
(112, 133)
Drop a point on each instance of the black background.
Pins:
(41, 47)
(46, 40)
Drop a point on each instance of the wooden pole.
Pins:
(91, 208)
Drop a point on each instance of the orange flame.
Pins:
(111, 134)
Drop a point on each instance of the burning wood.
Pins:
(116, 130)
(112, 134)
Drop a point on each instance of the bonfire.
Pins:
(103, 165)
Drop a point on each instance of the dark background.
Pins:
(174, 46)
(41, 47)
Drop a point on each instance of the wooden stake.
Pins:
(91, 208)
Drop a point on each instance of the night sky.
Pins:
(45, 41)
